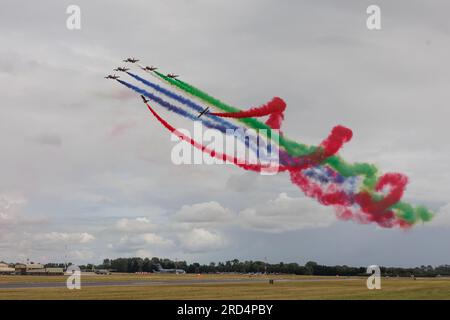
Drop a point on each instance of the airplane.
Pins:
(147, 68)
(143, 98)
(132, 60)
(121, 69)
(112, 77)
(102, 271)
(173, 76)
(203, 112)
(162, 270)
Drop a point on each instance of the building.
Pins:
(6, 269)
(37, 269)
(30, 268)
(54, 271)
(20, 268)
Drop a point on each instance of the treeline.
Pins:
(132, 265)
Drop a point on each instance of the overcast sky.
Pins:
(85, 171)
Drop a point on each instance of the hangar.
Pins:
(6, 269)
(36, 269)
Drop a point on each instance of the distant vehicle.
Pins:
(132, 60)
(102, 271)
(160, 269)
(147, 68)
(123, 69)
(112, 77)
(172, 75)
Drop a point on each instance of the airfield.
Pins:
(219, 286)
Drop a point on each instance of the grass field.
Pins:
(328, 288)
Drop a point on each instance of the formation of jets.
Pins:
(132, 60)
(112, 77)
(170, 75)
(148, 68)
(145, 68)
(123, 69)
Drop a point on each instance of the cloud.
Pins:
(202, 240)
(58, 237)
(153, 239)
(144, 253)
(286, 214)
(136, 243)
(10, 205)
(49, 139)
(242, 182)
(121, 128)
(442, 218)
(80, 255)
(203, 214)
(141, 224)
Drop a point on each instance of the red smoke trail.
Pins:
(330, 146)
(371, 210)
(377, 210)
(328, 197)
(275, 108)
(275, 105)
(338, 136)
(275, 120)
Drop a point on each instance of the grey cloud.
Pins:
(285, 214)
(49, 139)
(207, 213)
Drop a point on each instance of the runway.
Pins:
(24, 285)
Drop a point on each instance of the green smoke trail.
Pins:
(410, 214)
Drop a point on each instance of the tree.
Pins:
(310, 266)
